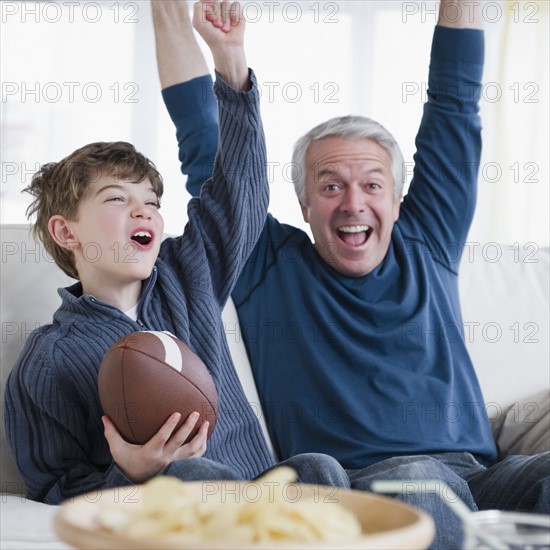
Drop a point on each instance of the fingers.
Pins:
(222, 15)
(179, 444)
(165, 431)
(140, 462)
(179, 437)
(230, 14)
(118, 446)
(196, 446)
(209, 10)
(233, 13)
(112, 435)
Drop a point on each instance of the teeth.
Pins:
(142, 237)
(353, 228)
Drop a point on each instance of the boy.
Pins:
(97, 214)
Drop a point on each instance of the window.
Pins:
(75, 72)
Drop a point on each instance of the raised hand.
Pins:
(222, 26)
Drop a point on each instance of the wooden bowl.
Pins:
(387, 524)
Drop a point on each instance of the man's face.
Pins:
(350, 204)
(117, 233)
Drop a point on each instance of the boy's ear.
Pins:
(61, 232)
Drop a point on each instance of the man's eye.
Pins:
(331, 187)
(115, 199)
(156, 204)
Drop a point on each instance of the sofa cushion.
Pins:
(504, 293)
(28, 298)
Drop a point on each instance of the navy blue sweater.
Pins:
(52, 408)
(372, 367)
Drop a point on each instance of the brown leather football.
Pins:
(146, 376)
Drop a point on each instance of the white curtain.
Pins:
(513, 205)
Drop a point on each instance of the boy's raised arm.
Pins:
(227, 220)
(221, 25)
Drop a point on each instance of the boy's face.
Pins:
(117, 234)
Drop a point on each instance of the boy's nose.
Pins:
(141, 211)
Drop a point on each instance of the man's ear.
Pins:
(305, 211)
(61, 232)
(397, 208)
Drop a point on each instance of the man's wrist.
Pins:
(461, 14)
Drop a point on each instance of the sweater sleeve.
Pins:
(441, 199)
(226, 220)
(47, 427)
(194, 112)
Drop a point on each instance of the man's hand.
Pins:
(142, 462)
(221, 25)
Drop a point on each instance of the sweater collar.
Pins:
(74, 302)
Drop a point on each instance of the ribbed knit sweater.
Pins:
(52, 409)
(373, 367)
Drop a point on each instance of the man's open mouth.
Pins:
(354, 235)
(142, 237)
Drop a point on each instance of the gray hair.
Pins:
(349, 127)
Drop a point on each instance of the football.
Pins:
(146, 376)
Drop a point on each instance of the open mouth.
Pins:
(354, 235)
(142, 237)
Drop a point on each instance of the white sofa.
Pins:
(505, 295)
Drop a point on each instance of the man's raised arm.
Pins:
(179, 57)
(461, 14)
(442, 193)
(186, 90)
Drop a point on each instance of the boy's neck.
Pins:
(123, 297)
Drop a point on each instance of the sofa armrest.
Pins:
(524, 427)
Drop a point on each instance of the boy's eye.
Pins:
(153, 201)
(114, 199)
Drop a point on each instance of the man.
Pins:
(354, 381)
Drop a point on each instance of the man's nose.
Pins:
(353, 201)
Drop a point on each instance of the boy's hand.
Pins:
(221, 25)
(142, 462)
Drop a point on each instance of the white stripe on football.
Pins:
(172, 354)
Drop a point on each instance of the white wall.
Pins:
(75, 72)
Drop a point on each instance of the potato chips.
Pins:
(269, 510)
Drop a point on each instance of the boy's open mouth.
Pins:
(354, 235)
(142, 237)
